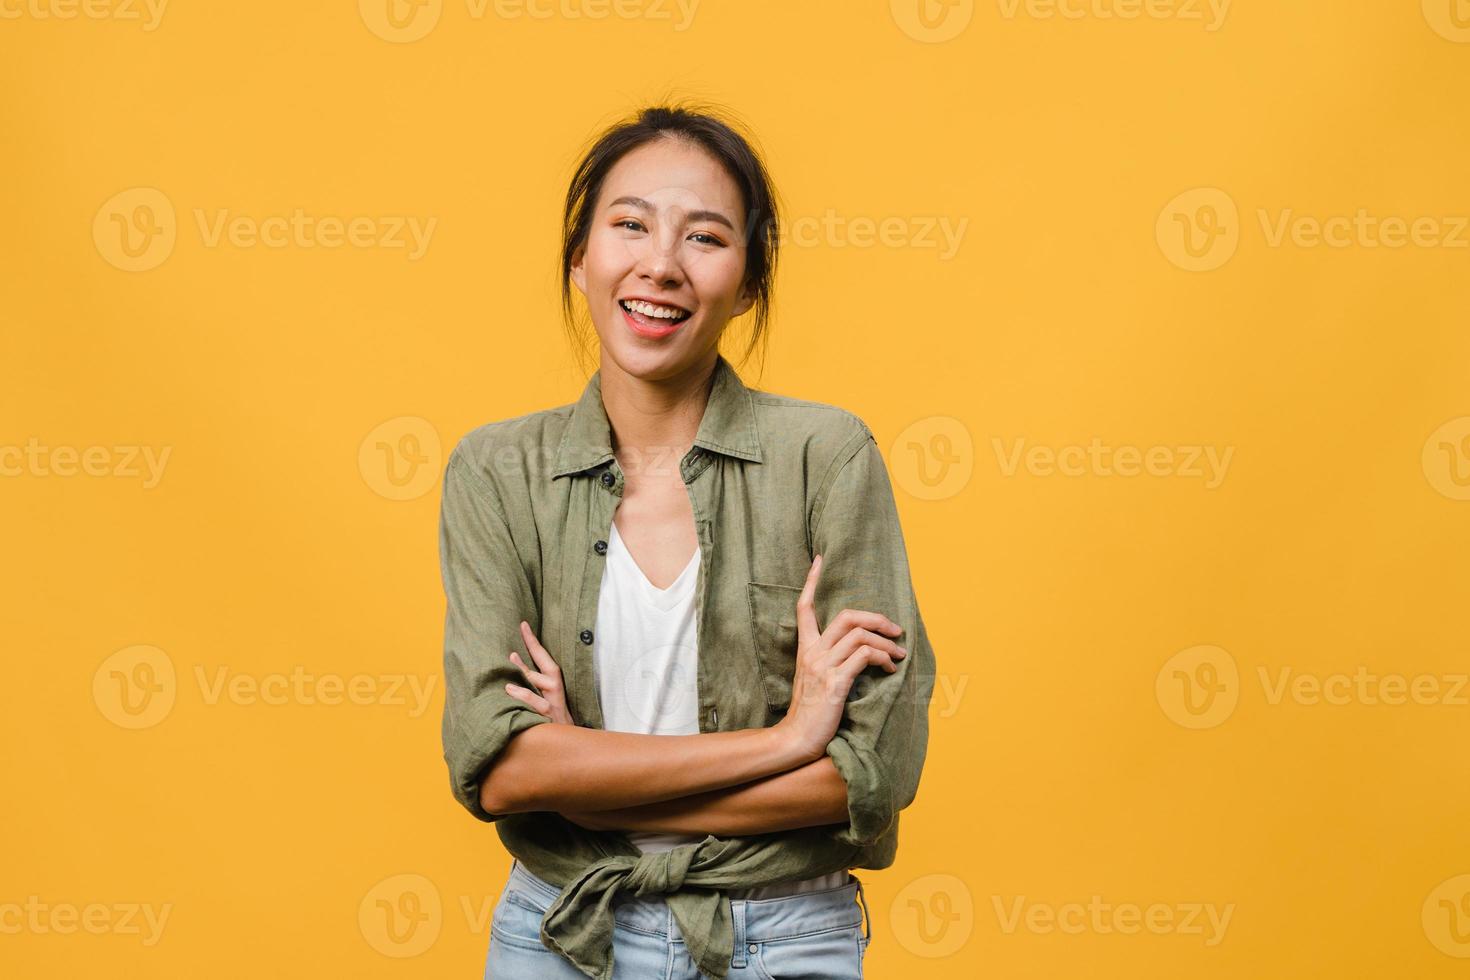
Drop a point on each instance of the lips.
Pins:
(652, 318)
(654, 307)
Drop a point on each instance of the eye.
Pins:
(624, 223)
(708, 238)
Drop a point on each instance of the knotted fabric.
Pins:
(695, 880)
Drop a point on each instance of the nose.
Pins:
(658, 261)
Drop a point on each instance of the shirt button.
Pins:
(586, 637)
(608, 479)
(600, 547)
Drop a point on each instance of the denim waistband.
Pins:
(769, 918)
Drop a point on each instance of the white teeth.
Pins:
(648, 309)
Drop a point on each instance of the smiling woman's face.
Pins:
(664, 262)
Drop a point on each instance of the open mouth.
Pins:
(656, 317)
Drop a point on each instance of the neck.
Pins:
(654, 419)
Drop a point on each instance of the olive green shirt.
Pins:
(527, 508)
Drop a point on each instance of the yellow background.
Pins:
(1335, 542)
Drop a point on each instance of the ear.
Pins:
(745, 301)
(579, 268)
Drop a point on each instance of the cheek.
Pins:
(717, 277)
(608, 260)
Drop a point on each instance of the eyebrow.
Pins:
(643, 205)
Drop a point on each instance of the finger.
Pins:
(539, 656)
(849, 619)
(807, 630)
(858, 638)
(536, 701)
(541, 681)
(863, 658)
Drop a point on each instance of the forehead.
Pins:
(673, 175)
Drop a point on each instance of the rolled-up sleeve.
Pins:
(487, 594)
(881, 742)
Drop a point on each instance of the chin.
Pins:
(653, 363)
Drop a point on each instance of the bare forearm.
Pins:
(568, 767)
(810, 795)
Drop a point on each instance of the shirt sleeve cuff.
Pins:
(472, 754)
(869, 802)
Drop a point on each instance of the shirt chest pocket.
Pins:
(773, 632)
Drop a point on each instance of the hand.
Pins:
(547, 695)
(827, 663)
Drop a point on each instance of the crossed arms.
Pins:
(723, 783)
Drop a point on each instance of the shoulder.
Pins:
(522, 445)
(798, 428)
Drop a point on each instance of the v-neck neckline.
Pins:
(662, 598)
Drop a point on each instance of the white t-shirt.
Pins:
(645, 659)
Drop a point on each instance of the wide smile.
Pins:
(650, 319)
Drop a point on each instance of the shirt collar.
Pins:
(728, 424)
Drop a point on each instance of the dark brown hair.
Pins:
(713, 131)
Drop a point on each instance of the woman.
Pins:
(674, 672)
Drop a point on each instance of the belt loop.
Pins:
(737, 919)
(867, 919)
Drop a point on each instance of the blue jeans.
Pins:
(810, 936)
